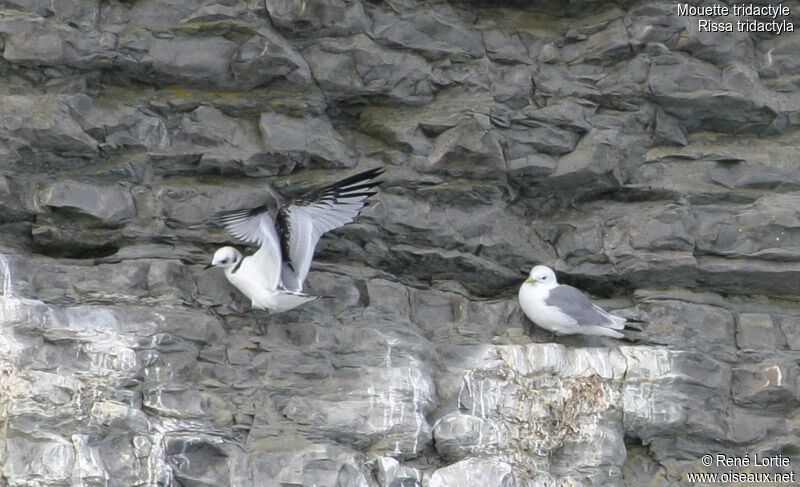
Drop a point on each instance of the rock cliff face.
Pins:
(651, 164)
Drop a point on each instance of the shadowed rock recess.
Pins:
(652, 165)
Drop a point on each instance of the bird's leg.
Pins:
(236, 307)
(261, 326)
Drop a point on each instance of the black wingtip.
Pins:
(368, 203)
(348, 194)
(634, 325)
(374, 172)
(222, 216)
(355, 186)
(362, 176)
(369, 185)
(350, 185)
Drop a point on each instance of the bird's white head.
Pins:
(226, 257)
(543, 276)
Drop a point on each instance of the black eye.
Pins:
(224, 261)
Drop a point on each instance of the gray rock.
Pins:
(657, 24)
(745, 174)
(463, 149)
(528, 383)
(112, 205)
(390, 473)
(728, 237)
(668, 130)
(504, 47)
(458, 435)
(717, 274)
(766, 385)
(190, 60)
(494, 473)
(625, 86)
(222, 143)
(52, 461)
(755, 331)
(774, 57)
(435, 34)
(304, 464)
(267, 57)
(609, 42)
(748, 428)
(304, 140)
(684, 87)
(707, 46)
(356, 68)
(43, 123)
(197, 461)
(390, 420)
(559, 81)
(513, 87)
(710, 329)
(587, 161)
(11, 205)
(567, 114)
(415, 128)
(82, 13)
(532, 167)
(789, 330)
(531, 137)
(32, 38)
(318, 18)
(115, 122)
(118, 415)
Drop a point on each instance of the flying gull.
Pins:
(562, 309)
(273, 276)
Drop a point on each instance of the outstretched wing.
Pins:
(255, 226)
(302, 222)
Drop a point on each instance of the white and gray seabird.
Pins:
(562, 309)
(273, 276)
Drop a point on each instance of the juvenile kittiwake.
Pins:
(273, 276)
(562, 309)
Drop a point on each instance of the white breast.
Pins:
(251, 285)
(531, 300)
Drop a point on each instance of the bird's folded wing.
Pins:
(579, 307)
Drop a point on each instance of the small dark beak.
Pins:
(207, 267)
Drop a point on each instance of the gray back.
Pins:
(575, 304)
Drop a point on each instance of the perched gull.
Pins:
(273, 276)
(563, 309)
